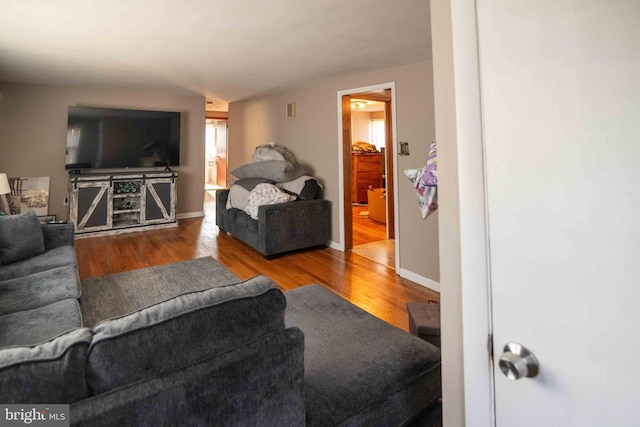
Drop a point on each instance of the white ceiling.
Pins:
(226, 50)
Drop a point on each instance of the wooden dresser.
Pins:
(366, 170)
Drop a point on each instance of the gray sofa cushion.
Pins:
(39, 289)
(31, 327)
(20, 237)
(51, 372)
(63, 256)
(245, 221)
(181, 331)
(359, 370)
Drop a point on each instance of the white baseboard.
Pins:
(420, 280)
(336, 246)
(406, 274)
(190, 215)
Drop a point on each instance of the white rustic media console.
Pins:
(113, 203)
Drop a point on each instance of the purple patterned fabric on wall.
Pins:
(430, 176)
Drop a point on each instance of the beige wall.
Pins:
(360, 124)
(312, 136)
(377, 115)
(33, 128)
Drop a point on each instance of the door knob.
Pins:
(518, 362)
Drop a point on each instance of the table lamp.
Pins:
(4, 190)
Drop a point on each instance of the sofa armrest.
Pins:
(56, 235)
(221, 198)
(295, 225)
(221, 206)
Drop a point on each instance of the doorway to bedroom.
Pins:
(368, 174)
(215, 157)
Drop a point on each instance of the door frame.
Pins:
(389, 168)
(217, 115)
(344, 161)
(467, 364)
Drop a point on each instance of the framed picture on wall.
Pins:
(29, 194)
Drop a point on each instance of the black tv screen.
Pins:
(111, 138)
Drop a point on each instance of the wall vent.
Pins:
(291, 109)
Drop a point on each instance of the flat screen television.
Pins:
(112, 138)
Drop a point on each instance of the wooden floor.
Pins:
(368, 284)
(366, 230)
(370, 239)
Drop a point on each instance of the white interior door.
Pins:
(561, 108)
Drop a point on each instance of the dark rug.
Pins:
(118, 294)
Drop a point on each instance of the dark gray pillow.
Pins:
(250, 183)
(310, 190)
(20, 237)
(304, 187)
(275, 170)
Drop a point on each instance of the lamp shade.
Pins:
(4, 184)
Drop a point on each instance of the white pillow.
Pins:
(238, 197)
(264, 194)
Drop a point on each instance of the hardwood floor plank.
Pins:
(369, 285)
(366, 230)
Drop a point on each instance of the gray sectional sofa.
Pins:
(239, 354)
(39, 284)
